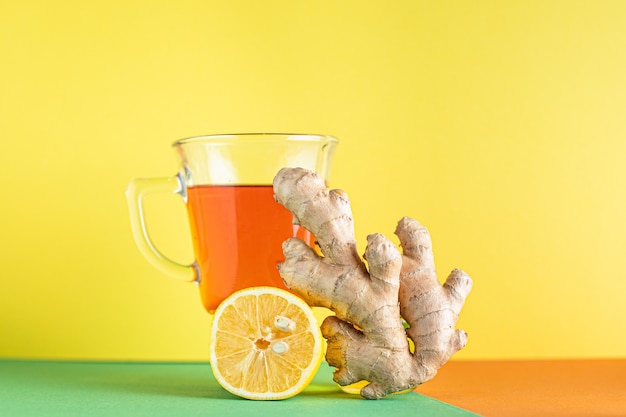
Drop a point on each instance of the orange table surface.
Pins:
(572, 388)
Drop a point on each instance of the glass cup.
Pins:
(236, 226)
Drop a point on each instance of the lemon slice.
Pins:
(265, 344)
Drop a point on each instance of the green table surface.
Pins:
(72, 388)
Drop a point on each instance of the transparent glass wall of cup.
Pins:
(236, 226)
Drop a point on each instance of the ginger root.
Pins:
(366, 337)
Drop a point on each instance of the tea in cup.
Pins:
(236, 226)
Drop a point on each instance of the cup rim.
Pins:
(231, 137)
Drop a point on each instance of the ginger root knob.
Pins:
(366, 338)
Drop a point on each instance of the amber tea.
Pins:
(237, 234)
(237, 227)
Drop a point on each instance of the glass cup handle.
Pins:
(137, 189)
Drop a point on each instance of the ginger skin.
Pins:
(366, 339)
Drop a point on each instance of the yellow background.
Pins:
(499, 125)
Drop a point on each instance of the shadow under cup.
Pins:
(236, 226)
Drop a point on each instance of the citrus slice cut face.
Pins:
(265, 344)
